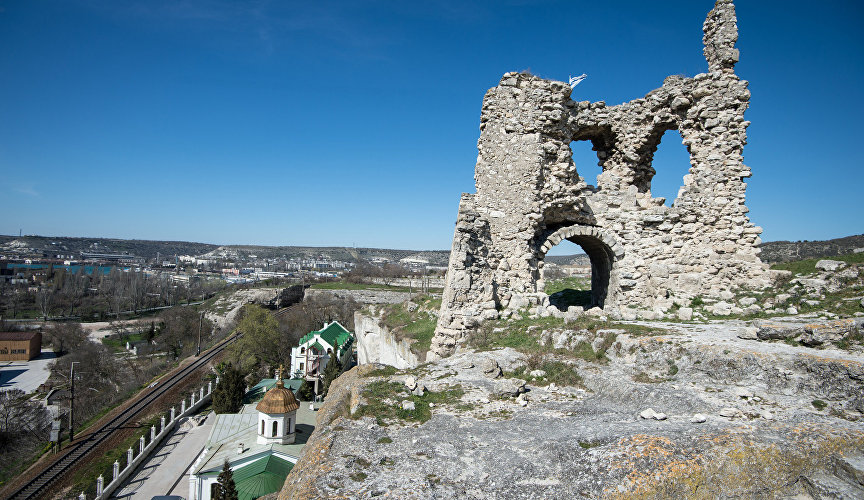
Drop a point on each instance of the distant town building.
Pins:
(20, 346)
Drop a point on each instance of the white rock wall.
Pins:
(375, 344)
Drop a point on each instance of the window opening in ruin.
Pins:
(671, 162)
(586, 160)
(567, 276)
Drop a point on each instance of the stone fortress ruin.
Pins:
(645, 256)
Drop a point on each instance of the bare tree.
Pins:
(45, 300)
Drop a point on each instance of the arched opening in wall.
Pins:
(567, 276)
(671, 162)
(582, 279)
(586, 160)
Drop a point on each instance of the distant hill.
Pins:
(57, 245)
(775, 251)
(61, 245)
(782, 251)
(579, 259)
(344, 254)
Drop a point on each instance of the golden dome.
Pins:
(278, 400)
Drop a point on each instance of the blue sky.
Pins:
(355, 123)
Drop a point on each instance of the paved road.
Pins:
(26, 375)
(166, 472)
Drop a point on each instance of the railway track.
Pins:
(41, 484)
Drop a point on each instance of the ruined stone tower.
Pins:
(644, 255)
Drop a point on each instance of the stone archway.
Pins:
(603, 251)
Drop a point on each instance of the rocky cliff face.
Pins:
(376, 344)
(363, 296)
(693, 411)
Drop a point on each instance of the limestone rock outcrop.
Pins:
(377, 344)
(734, 419)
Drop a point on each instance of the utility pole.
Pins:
(72, 400)
(200, 320)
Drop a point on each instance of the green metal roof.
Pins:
(334, 334)
(256, 393)
(261, 477)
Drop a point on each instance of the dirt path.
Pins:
(101, 329)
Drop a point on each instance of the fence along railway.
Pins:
(41, 484)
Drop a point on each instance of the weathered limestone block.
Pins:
(530, 196)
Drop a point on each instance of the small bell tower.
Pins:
(277, 414)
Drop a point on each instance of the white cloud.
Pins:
(28, 190)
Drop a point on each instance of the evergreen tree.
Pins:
(227, 490)
(331, 371)
(228, 394)
(306, 392)
(151, 332)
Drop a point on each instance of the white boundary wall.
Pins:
(187, 407)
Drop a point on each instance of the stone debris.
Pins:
(508, 387)
(411, 383)
(731, 413)
(830, 265)
(408, 405)
(698, 418)
(749, 333)
(809, 334)
(743, 393)
(647, 414)
(722, 308)
(490, 368)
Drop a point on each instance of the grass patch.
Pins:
(502, 414)
(570, 291)
(522, 334)
(673, 368)
(587, 445)
(819, 404)
(384, 440)
(119, 342)
(808, 266)
(358, 476)
(644, 378)
(85, 478)
(384, 402)
(418, 324)
(557, 372)
(387, 371)
(569, 283)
